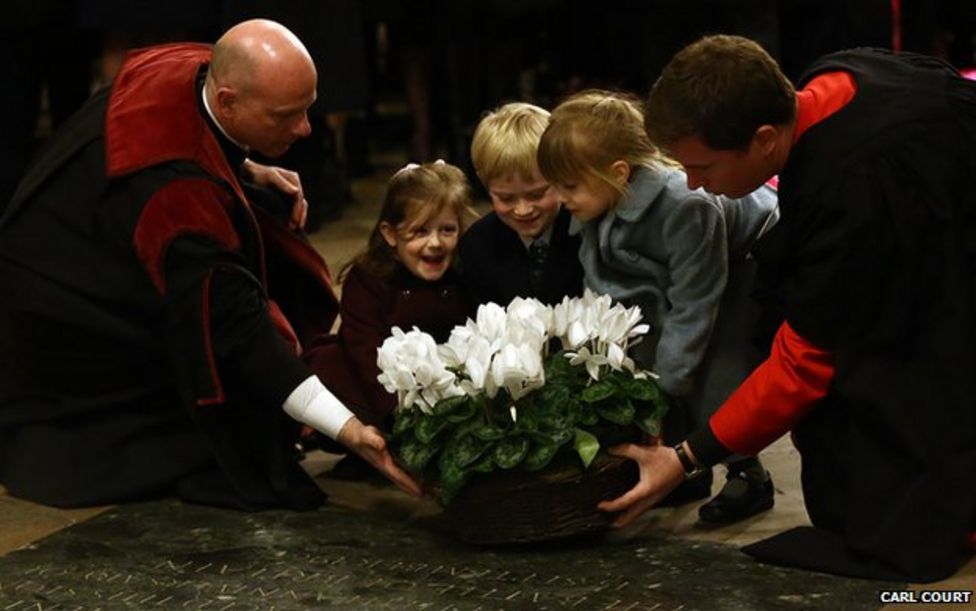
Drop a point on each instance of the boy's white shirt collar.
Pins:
(545, 236)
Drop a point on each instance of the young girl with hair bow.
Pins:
(405, 278)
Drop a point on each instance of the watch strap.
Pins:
(691, 469)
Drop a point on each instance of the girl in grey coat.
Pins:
(681, 255)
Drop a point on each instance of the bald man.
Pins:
(153, 311)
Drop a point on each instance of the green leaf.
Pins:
(546, 418)
(487, 432)
(617, 377)
(510, 451)
(664, 404)
(527, 423)
(462, 413)
(555, 437)
(641, 389)
(553, 394)
(452, 480)
(485, 464)
(464, 450)
(587, 446)
(587, 415)
(428, 427)
(402, 422)
(448, 405)
(415, 454)
(557, 366)
(539, 456)
(617, 412)
(648, 422)
(597, 392)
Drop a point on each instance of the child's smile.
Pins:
(527, 207)
(427, 250)
(435, 263)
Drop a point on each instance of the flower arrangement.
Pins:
(516, 385)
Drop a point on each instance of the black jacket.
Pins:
(496, 263)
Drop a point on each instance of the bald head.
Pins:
(252, 51)
(260, 83)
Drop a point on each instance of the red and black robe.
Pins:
(874, 263)
(141, 352)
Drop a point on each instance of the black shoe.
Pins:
(743, 495)
(691, 490)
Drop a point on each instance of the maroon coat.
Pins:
(371, 307)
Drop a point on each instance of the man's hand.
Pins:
(660, 473)
(368, 442)
(287, 182)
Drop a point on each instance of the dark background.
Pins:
(416, 76)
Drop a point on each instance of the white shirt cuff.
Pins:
(311, 403)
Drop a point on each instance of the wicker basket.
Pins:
(556, 503)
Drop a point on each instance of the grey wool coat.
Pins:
(673, 251)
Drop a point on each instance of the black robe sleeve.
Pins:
(232, 363)
(239, 341)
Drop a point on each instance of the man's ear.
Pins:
(389, 234)
(224, 102)
(765, 138)
(620, 170)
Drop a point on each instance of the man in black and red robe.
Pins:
(153, 313)
(874, 264)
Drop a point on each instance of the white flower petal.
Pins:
(615, 356)
(593, 368)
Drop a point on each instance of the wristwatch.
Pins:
(691, 469)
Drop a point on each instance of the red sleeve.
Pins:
(776, 396)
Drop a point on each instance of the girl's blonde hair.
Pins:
(414, 194)
(506, 141)
(591, 130)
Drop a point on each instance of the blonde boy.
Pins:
(523, 247)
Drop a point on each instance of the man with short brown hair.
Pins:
(874, 263)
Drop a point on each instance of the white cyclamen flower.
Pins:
(478, 362)
(579, 320)
(591, 361)
(615, 325)
(411, 367)
(531, 314)
(490, 321)
(516, 368)
(455, 351)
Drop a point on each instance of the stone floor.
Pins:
(69, 569)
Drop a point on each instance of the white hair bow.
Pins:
(407, 168)
(413, 166)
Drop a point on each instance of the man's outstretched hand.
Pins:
(660, 473)
(368, 442)
(286, 181)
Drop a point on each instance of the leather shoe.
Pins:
(743, 495)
